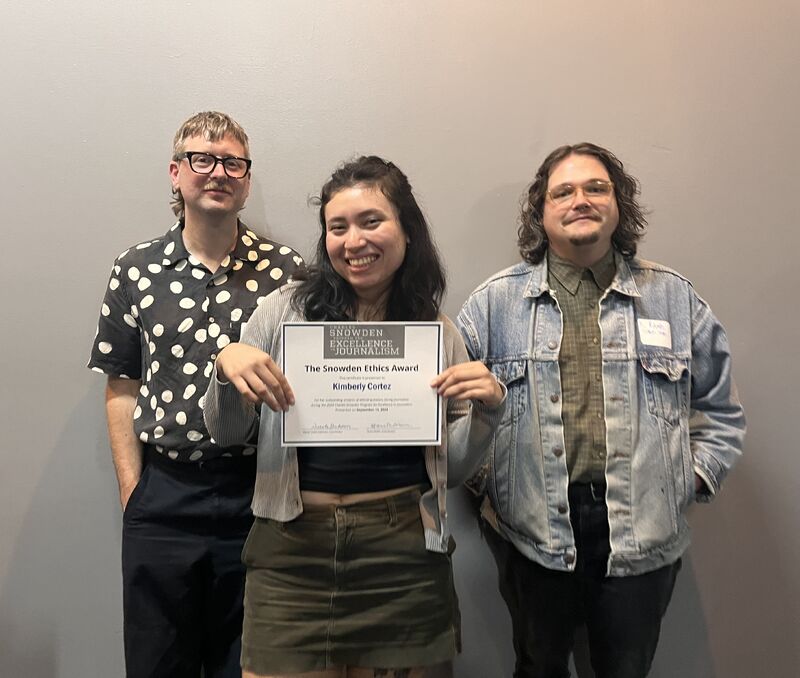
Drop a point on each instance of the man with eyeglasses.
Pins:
(621, 412)
(171, 304)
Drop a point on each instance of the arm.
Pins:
(475, 407)
(126, 449)
(716, 421)
(245, 375)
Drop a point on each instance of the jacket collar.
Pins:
(249, 248)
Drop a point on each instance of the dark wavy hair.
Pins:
(418, 284)
(532, 239)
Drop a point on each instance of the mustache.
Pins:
(583, 215)
(216, 186)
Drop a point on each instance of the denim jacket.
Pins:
(467, 427)
(671, 411)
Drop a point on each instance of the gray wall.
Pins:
(700, 99)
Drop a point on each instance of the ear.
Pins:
(173, 174)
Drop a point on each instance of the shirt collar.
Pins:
(612, 269)
(569, 275)
(249, 247)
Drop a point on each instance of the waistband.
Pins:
(234, 465)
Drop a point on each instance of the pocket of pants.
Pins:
(138, 491)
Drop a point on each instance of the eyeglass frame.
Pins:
(580, 187)
(188, 155)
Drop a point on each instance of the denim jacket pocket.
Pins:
(512, 373)
(665, 378)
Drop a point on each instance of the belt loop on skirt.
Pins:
(392, 507)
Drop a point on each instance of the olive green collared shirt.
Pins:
(578, 292)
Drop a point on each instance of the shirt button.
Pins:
(599, 415)
(597, 377)
(554, 398)
(558, 451)
(562, 509)
(211, 319)
(552, 345)
(595, 341)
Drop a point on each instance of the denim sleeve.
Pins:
(716, 422)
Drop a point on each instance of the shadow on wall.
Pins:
(61, 600)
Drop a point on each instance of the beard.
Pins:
(580, 239)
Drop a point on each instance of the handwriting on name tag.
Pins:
(655, 332)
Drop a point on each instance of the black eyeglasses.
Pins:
(204, 163)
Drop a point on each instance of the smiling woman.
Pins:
(349, 560)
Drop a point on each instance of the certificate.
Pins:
(361, 383)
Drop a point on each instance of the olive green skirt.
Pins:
(347, 585)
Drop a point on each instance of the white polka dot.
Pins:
(166, 396)
(193, 260)
(194, 456)
(251, 234)
(176, 287)
(155, 366)
(133, 273)
(222, 297)
(285, 250)
(159, 448)
(172, 454)
(134, 311)
(213, 330)
(198, 273)
(149, 374)
(129, 319)
(169, 248)
(181, 265)
(104, 347)
(236, 314)
(180, 418)
(143, 245)
(261, 265)
(177, 351)
(223, 341)
(189, 368)
(237, 265)
(251, 285)
(185, 325)
(276, 273)
(221, 280)
(153, 403)
(207, 370)
(154, 268)
(148, 300)
(252, 255)
(202, 402)
(113, 283)
(143, 284)
(194, 436)
(152, 347)
(266, 247)
(226, 261)
(248, 451)
(297, 260)
(122, 256)
(204, 307)
(200, 335)
(97, 369)
(105, 310)
(117, 270)
(158, 329)
(165, 262)
(186, 303)
(247, 240)
(189, 391)
(144, 391)
(158, 431)
(137, 412)
(143, 437)
(159, 413)
(259, 300)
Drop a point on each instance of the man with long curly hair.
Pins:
(621, 412)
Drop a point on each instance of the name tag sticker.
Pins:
(655, 332)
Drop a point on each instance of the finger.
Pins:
(274, 384)
(243, 387)
(282, 382)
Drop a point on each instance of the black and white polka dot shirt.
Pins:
(165, 317)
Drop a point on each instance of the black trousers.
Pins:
(622, 614)
(183, 581)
